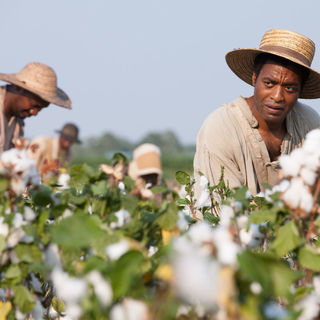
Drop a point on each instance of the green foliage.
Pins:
(287, 239)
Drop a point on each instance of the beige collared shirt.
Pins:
(229, 137)
(45, 150)
(9, 128)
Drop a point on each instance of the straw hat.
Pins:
(146, 160)
(70, 132)
(41, 80)
(283, 43)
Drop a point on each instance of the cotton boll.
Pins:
(242, 221)
(255, 288)
(116, 250)
(291, 195)
(306, 201)
(282, 186)
(203, 182)
(308, 176)
(29, 214)
(4, 228)
(152, 250)
(52, 257)
(18, 221)
(130, 309)
(35, 283)
(73, 312)
(312, 142)
(63, 181)
(123, 217)
(182, 192)
(204, 199)
(182, 222)
(316, 284)
(18, 186)
(310, 306)
(101, 287)
(227, 253)
(196, 279)
(200, 233)
(226, 214)
(273, 310)
(253, 237)
(312, 161)
(69, 289)
(15, 237)
(37, 312)
(292, 163)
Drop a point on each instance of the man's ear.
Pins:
(254, 78)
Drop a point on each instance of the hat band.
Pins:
(289, 52)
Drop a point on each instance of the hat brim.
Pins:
(60, 99)
(241, 62)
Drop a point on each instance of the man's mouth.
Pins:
(275, 109)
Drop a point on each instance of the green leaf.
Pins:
(2, 243)
(263, 215)
(126, 272)
(168, 219)
(274, 276)
(309, 258)
(184, 201)
(100, 188)
(182, 177)
(13, 273)
(77, 231)
(29, 253)
(58, 305)
(287, 239)
(99, 206)
(23, 299)
(42, 196)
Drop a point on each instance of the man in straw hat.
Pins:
(51, 153)
(248, 135)
(145, 168)
(29, 91)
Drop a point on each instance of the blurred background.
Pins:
(142, 70)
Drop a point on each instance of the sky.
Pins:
(135, 66)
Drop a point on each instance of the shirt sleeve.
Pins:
(215, 148)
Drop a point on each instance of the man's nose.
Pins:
(277, 94)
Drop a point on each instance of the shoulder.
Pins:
(308, 115)
(222, 118)
(42, 141)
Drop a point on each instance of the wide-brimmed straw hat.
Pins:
(41, 80)
(70, 132)
(146, 160)
(283, 43)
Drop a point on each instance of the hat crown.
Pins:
(290, 43)
(70, 131)
(39, 77)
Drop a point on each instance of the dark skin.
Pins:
(21, 103)
(276, 90)
(64, 144)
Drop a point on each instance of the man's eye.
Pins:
(268, 83)
(291, 89)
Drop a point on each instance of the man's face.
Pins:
(27, 104)
(277, 89)
(65, 144)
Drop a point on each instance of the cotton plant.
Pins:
(301, 168)
(200, 257)
(16, 164)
